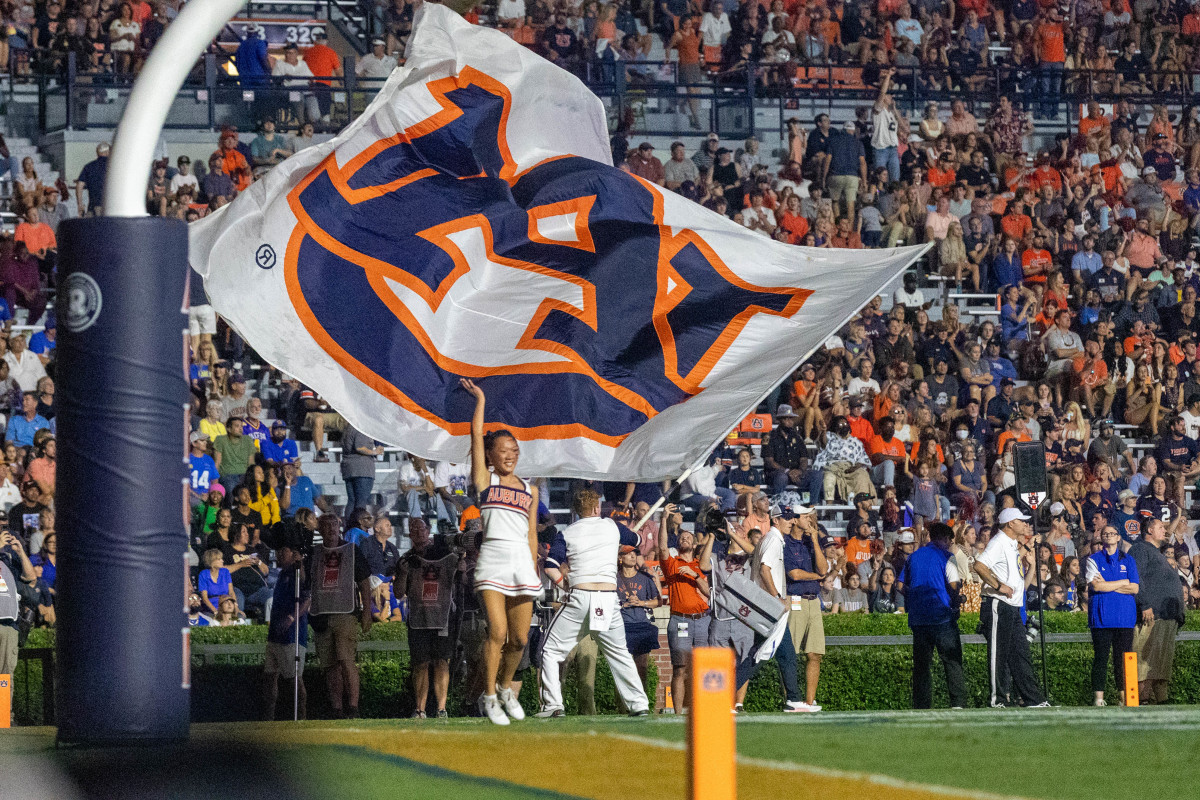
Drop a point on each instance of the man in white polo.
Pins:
(1002, 614)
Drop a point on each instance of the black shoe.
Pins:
(352, 712)
(645, 712)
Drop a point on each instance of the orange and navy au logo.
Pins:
(429, 256)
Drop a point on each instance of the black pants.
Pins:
(1008, 647)
(1120, 642)
(944, 638)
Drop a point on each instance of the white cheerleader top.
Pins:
(505, 512)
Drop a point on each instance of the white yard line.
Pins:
(824, 772)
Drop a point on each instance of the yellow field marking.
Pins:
(602, 766)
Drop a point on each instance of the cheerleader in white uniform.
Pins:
(506, 577)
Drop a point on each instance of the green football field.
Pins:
(1073, 754)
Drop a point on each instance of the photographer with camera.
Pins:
(426, 576)
(12, 555)
(731, 556)
(930, 582)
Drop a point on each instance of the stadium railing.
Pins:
(644, 97)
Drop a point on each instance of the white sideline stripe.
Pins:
(825, 772)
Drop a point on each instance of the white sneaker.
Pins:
(509, 701)
(489, 707)
(801, 707)
(1043, 704)
(551, 713)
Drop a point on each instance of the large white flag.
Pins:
(470, 224)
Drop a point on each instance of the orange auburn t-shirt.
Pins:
(683, 594)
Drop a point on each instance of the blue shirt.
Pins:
(303, 495)
(92, 176)
(259, 433)
(216, 589)
(1086, 263)
(40, 344)
(926, 594)
(1112, 609)
(356, 535)
(798, 554)
(252, 65)
(1010, 328)
(5, 311)
(284, 604)
(21, 430)
(1007, 271)
(1001, 368)
(204, 472)
(1191, 198)
(285, 452)
(1128, 525)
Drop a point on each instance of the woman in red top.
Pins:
(688, 42)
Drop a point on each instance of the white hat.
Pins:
(802, 510)
(1058, 508)
(906, 537)
(834, 342)
(1009, 514)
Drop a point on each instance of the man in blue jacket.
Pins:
(930, 583)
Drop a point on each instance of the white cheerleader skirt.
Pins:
(507, 567)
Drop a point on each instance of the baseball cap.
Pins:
(1149, 171)
(1007, 382)
(806, 367)
(861, 497)
(827, 541)
(379, 42)
(645, 146)
(1010, 514)
(855, 402)
(237, 377)
(802, 510)
(1125, 495)
(198, 436)
(278, 424)
(834, 342)
(784, 411)
(906, 536)
(850, 127)
(1057, 509)
(183, 160)
(626, 548)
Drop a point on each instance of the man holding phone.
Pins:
(687, 594)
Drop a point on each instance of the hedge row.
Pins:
(880, 677)
(835, 625)
(852, 678)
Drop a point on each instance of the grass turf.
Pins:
(1056, 754)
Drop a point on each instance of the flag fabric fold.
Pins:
(470, 224)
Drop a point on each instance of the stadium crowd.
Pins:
(1081, 241)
